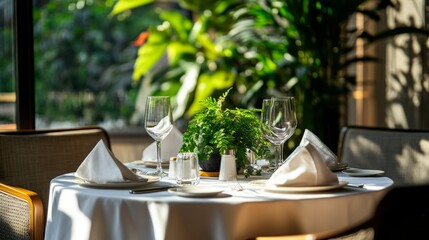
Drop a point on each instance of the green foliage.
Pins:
(196, 57)
(252, 171)
(7, 83)
(262, 49)
(215, 128)
(84, 61)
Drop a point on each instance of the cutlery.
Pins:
(150, 190)
(138, 171)
(356, 185)
(235, 185)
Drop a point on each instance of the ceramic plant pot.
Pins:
(212, 164)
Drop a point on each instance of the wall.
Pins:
(393, 92)
(128, 143)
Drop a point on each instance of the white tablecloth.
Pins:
(77, 212)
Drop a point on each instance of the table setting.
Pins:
(308, 169)
(307, 192)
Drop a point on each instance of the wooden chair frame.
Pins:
(36, 208)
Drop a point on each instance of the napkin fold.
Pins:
(170, 147)
(304, 167)
(327, 155)
(101, 166)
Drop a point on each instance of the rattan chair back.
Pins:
(30, 159)
(21, 214)
(402, 154)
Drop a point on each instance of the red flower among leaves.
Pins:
(141, 39)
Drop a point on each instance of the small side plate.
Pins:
(355, 172)
(196, 191)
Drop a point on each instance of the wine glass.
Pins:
(278, 123)
(158, 124)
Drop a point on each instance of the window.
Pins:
(7, 77)
(84, 64)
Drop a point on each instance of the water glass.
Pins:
(187, 169)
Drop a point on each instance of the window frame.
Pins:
(24, 64)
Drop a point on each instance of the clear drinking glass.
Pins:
(278, 123)
(187, 169)
(158, 124)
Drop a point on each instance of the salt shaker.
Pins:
(172, 168)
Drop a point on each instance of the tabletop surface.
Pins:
(231, 214)
(249, 189)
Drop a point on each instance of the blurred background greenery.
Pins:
(97, 60)
(267, 48)
(83, 62)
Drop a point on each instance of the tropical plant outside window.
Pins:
(84, 62)
(7, 78)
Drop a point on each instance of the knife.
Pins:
(356, 185)
(150, 189)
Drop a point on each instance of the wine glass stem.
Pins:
(158, 158)
(278, 156)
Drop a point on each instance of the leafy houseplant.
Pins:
(215, 128)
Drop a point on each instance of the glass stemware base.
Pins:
(157, 173)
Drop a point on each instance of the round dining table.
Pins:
(77, 211)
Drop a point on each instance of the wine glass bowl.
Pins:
(158, 123)
(159, 130)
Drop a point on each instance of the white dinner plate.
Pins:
(118, 185)
(355, 172)
(196, 191)
(280, 189)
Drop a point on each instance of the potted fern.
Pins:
(216, 129)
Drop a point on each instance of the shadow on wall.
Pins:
(405, 66)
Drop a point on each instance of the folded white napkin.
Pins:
(327, 155)
(304, 167)
(170, 147)
(101, 166)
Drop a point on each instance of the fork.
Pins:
(234, 185)
(138, 171)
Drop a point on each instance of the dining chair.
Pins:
(31, 158)
(403, 155)
(21, 214)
